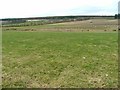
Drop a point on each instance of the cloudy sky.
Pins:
(39, 8)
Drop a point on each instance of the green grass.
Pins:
(60, 59)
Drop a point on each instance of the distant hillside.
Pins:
(59, 17)
(48, 20)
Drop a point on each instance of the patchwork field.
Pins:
(72, 54)
(93, 25)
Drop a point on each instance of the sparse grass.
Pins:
(60, 59)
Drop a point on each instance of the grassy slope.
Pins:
(59, 59)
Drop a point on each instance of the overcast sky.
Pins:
(39, 8)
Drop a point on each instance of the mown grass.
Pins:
(60, 59)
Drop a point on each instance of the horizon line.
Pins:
(51, 16)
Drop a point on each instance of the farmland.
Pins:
(73, 54)
(93, 25)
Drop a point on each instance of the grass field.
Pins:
(60, 59)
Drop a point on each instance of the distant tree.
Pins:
(116, 16)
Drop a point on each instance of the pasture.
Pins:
(82, 54)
